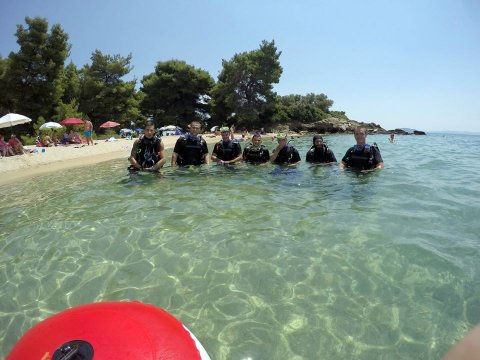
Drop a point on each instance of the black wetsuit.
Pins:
(191, 150)
(320, 156)
(256, 155)
(362, 157)
(227, 151)
(147, 151)
(287, 155)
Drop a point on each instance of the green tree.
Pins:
(104, 95)
(245, 86)
(304, 109)
(31, 79)
(176, 93)
(6, 99)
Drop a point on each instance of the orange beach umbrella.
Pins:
(109, 124)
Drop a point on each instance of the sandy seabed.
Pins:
(14, 168)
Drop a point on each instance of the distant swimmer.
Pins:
(256, 152)
(226, 151)
(284, 154)
(362, 156)
(392, 137)
(319, 153)
(191, 148)
(148, 152)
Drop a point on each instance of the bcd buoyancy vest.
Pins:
(256, 155)
(362, 157)
(317, 155)
(148, 151)
(225, 150)
(285, 155)
(192, 151)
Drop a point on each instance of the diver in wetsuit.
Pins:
(148, 152)
(226, 151)
(362, 156)
(284, 154)
(191, 148)
(319, 153)
(256, 152)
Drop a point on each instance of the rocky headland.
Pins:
(334, 125)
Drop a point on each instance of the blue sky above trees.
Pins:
(400, 64)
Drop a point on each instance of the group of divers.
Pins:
(148, 153)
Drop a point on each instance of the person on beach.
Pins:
(319, 153)
(256, 152)
(148, 153)
(46, 141)
(16, 145)
(284, 154)
(191, 148)
(226, 151)
(362, 156)
(87, 131)
(5, 147)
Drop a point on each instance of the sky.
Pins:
(409, 63)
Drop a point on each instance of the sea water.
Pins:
(260, 262)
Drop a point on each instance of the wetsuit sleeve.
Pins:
(266, 155)
(346, 157)
(237, 150)
(309, 157)
(295, 156)
(133, 154)
(331, 156)
(377, 156)
(179, 146)
(214, 150)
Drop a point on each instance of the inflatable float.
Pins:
(109, 330)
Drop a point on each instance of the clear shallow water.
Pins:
(300, 264)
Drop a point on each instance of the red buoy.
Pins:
(109, 330)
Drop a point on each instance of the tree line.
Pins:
(37, 82)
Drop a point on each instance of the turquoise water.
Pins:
(308, 263)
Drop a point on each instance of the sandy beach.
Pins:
(14, 168)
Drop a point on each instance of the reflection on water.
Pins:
(259, 262)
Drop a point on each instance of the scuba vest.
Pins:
(148, 151)
(285, 155)
(318, 156)
(192, 153)
(256, 155)
(362, 157)
(226, 151)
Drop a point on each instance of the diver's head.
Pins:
(149, 129)
(281, 138)
(195, 128)
(360, 135)
(256, 140)
(318, 141)
(225, 131)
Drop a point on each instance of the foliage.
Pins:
(244, 91)
(104, 95)
(304, 109)
(69, 110)
(176, 93)
(30, 80)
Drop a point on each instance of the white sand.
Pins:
(14, 168)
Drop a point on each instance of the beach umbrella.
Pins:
(12, 119)
(109, 124)
(168, 127)
(126, 131)
(50, 125)
(72, 121)
(214, 128)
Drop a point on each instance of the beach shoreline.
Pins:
(51, 159)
